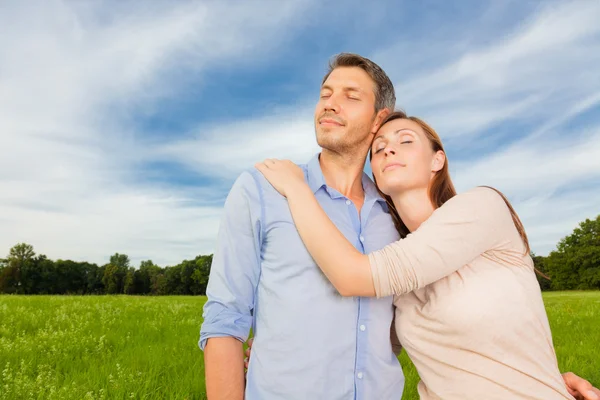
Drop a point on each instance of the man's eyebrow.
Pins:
(345, 89)
(352, 89)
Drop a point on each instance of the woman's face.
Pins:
(403, 158)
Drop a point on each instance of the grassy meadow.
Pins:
(128, 347)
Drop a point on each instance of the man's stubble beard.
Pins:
(355, 142)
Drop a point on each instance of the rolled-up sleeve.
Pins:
(235, 268)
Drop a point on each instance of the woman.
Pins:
(469, 310)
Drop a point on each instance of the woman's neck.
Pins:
(414, 207)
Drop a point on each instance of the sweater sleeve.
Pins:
(459, 231)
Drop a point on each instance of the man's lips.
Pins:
(330, 121)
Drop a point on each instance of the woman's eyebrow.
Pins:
(406, 130)
(396, 132)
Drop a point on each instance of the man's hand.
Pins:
(577, 386)
(580, 388)
(247, 352)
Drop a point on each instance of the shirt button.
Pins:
(362, 238)
(362, 328)
(348, 202)
(359, 375)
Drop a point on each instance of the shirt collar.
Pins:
(316, 181)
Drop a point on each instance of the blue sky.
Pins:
(123, 124)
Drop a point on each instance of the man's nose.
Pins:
(332, 104)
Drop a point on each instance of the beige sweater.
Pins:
(469, 310)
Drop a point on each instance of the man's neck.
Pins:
(414, 207)
(344, 174)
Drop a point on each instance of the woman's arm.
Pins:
(456, 233)
(462, 229)
(466, 227)
(345, 267)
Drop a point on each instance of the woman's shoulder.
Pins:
(480, 197)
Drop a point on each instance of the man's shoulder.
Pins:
(252, 177)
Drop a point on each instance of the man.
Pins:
(309, 342)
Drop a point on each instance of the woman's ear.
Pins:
(439, 159)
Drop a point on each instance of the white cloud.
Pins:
(543, 73)
(539, 178)
(551, 216)
(532, 164)
(71, 73)
(533, 72)
(227, 149)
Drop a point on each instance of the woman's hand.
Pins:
(284, 175)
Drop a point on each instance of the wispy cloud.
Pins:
(539, 73)
(534, 71)
(225, 150)
(76, 78)
(541, 76)
(71, 76)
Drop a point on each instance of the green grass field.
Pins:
(117, 347)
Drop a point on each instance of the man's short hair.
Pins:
(385, 96)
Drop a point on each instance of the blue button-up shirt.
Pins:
(309, 342)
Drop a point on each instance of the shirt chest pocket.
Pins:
(284, 256)
(283, 249)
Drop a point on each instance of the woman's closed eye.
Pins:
(381, 146)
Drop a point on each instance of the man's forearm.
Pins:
(224, 369)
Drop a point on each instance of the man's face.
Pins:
(345, 113)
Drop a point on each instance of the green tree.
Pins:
(187, 270)
(120, 260)
(115, 271)
(159, 284)
(8, 277)
(576, 262)
(146, 276)
(18, 266)
(113, 279)
(94, 282)
(129, 282)
(46, 275)
(173, 280)
(201, 274)
(540, 264)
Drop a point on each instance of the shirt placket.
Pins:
(360, 373)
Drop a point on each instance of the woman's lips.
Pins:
(392, 166)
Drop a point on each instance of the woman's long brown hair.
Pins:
(441, 188)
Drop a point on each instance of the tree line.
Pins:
(575, 264)
(24, 272)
